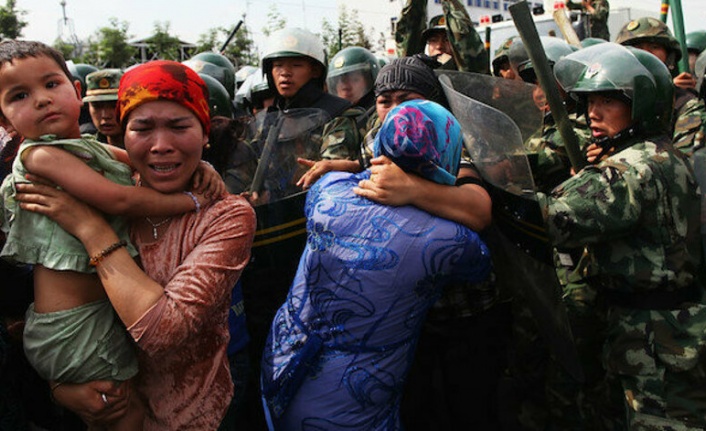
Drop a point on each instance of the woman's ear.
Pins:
(77, 87)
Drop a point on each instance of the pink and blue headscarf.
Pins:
(423, 137)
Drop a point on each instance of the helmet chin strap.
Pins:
(616, 142)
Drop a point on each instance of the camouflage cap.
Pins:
(648, 29)
(437, 23)
(102, 86)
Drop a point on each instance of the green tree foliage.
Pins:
(164, 45)
(275, 21)
(11, 23)
(349, 31)
(65, 48)
(241, 49)
(109, 47)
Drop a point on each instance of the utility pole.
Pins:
(66, 25)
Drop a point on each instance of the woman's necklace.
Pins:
(156, 225)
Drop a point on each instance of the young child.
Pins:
(71, 333)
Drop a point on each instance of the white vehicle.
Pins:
(546, 26)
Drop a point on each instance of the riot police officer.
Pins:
(637, 214)
(654, 36)
(351, 75)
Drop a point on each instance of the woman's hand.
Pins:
(316, 170)
(257, 198)
(207, 182)
(388, 184)
(87, 400)
(74, 216)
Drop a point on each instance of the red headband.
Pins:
(164, 80)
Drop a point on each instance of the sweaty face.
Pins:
(389, 99)
(164, 141)
(37, 98)
(290, 74)
(103, 116)
(608, 115)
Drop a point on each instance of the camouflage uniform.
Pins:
(642, 257)
(469, 51)
(598, 20)
(342, 136)
(689, 117)
(689, 122)
(549, 160)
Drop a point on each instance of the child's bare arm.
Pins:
(73, 175)
(119, 154)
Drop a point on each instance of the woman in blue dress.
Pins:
(341, 345)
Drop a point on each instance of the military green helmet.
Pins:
(215, 65)
(102, 86)
(79, 71)
(501, 54)
(590, 41)
(259, 92)
(436, 24)
(219, 102)
(215, 58)
(652, 30)
(696, 41)
(636, 75)
(350, 60)
(554, 49)
(253, 91)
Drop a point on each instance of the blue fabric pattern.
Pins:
(422, 137)
(340, 346)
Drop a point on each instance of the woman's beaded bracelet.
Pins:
(196, 201)
(95, 260)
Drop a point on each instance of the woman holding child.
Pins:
(174, 303)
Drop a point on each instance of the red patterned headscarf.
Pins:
(163, 80)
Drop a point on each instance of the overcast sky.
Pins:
(189, 19)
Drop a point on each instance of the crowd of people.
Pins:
(131, 200)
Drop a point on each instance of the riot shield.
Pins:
(281, 225)
(286, 136)
(493, 114)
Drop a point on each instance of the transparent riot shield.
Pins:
(496, 117)
(286, 136)
(280, 236)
